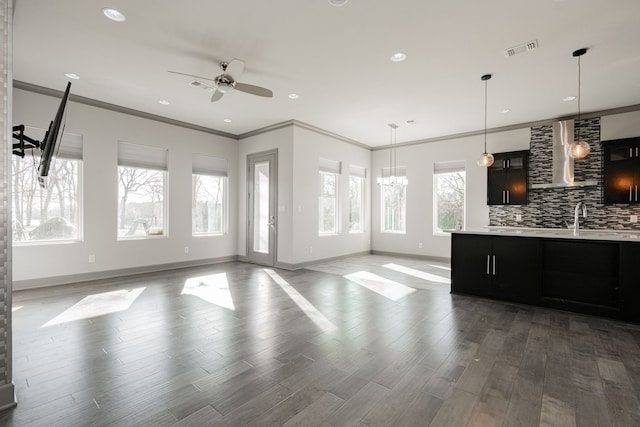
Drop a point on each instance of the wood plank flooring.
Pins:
(237, 344)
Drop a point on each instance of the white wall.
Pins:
(299, 151)
(308, 148)
(101, 130)
(618, 126)
(419, 160)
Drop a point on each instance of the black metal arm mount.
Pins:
(25, 142)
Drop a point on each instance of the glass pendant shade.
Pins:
(485, 160)
(579, 149)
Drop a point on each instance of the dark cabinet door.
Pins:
(500, 267)
(517, 269)
(622, 171)
(630, 281)
(507, 179)
(470, 264)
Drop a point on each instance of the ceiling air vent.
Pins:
(521, 48)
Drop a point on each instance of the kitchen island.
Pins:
(596, 272)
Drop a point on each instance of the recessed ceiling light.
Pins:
(164, 102)
(338, 2)
(114, 14)
(505, 110)
(411, 121)
(294, 96)
(398, 57)
(73, 76)
(227, 120)
(568, 98)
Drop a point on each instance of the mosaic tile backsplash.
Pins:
(554, 207)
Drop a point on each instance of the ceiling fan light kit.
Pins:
(226, 82)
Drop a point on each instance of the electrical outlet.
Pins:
(186, 249)
(92, 258)
(518, 217)
(420, 245)
(633, 218)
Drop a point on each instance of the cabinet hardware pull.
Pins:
(636, 151)
(494, 265)
(488, 264)
(502, 196)
(630, 199)
(636, 193)
(508, 194)
(630, 151)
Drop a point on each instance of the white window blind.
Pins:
(358, 171)
(70, 147)
(448, 167)
(399, 171)
(331, 166)
(207, 165)
(142, 156)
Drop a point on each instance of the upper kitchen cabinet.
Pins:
(507, 182)
(621, 170)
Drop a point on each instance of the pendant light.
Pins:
(579, 149)
(486, 159)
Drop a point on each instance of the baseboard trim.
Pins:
(414, 256)
(298, 266)
(7, 397)
(110, 274)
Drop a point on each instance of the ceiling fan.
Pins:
(226, 82)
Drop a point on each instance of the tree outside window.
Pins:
(45, 214)
(449, 201)
(141, 204)
(356, 204)
(208, 204)
(394, 205)
(328, 203)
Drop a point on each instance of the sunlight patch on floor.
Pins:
(97, 305)
(307, 308)
(418, 273)
(213, 288)
(380, 285)
(441, 267)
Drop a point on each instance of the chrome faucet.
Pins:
(576, 215)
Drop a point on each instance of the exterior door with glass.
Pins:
(261, 208)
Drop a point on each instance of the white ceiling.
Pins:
(337, 60)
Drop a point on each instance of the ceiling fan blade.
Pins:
(191, 75)
(235, 68)
(254, 90)
(216, 96)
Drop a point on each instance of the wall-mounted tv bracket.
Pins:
(25, 142)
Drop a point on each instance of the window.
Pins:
(328, 200)
(449, 183)
(141, 190)
(52, 213)
(393, 190)
(208, 195)
(357, 176)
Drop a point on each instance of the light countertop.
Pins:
(563, 233)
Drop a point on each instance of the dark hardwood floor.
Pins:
(369, 341)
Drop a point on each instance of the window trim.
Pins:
(441, 169)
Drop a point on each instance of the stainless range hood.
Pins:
(562, 163)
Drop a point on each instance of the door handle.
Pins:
(272, 222)
(488, 264)
(494, 265)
